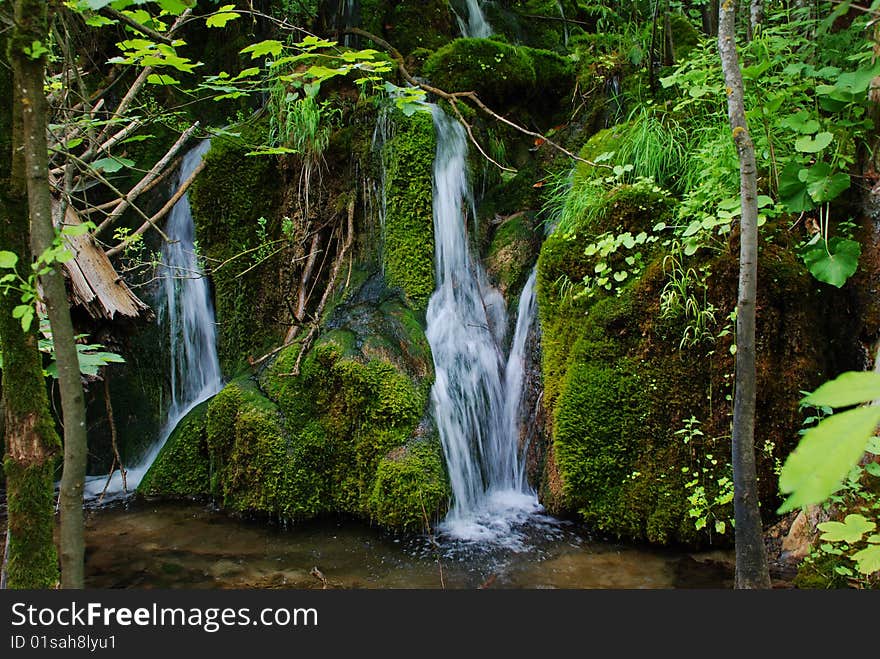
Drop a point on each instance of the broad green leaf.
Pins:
(267, 47)
(808, 144)
(222, 17)
(8, 259)
(793, 192)
(873, 468)
(75, 229)
(175, 7)
(850, 530)
(835, 262)
(847, 389)
(801, 122)
(824, 456)
(822, 184)
(161, 79)
(111, 164)
(868, 559)
(96, 20)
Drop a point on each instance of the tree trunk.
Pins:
(31, 27)
(751, 556)
(756, 17)
(29, 430)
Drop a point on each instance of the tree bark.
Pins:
(29, 430)
(751, 556)
(31, 26)
(756, 17)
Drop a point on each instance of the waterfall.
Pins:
(466, 322)
(185, 311)
(476, 24)
(514, 379)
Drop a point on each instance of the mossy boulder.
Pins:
(512, 252)
(639, 418)
(314, 434)
(536, 23)
(419, 24)
(183, 466)
(228, 199)
(408, 239)
(501, 74)
(411, 485)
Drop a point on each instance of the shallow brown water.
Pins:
(187, 545)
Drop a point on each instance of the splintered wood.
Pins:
(95, 284)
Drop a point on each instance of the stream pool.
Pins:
(144, 544)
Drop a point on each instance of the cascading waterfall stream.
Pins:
(473, 399)
(476, 24)
(184, 308)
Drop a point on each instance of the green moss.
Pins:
(605, 141)
(408, 249)
(618, 385)
(313, 443)
(411, 489)
(512, 252)
(684, 37)
(33, 561)
(228, 197)
(183, 466)
(501, 74)
(421, 24)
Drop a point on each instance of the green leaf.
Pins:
(847, 389)
(868, 559)
(161, 79)
(8, 259)
(835, 262)
(808, 144)
(850, 531)
(793, 192)
(822, 184)
(222, 17)
(112, 164)
(175, 7)
(75, 229)
(267, 47)
(873, 468)
(801, 122)
(824, 456)
(271, 151)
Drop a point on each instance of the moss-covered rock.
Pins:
(228, 198)
(420, 24)
(183, 466)
(408, 240)
(512, 252)
(411, 487)
(500, 73)
(640, 421)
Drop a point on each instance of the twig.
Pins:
(162, 212)
(452, 98)
(135, 25)
(145, 181)
(119, 194)
(331, 281)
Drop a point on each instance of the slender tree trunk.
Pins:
(756, 17)
(751, 556)
(29, 430)
(31, 27)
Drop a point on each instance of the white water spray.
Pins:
(185, 309)
(476, 24)
(474, 408)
